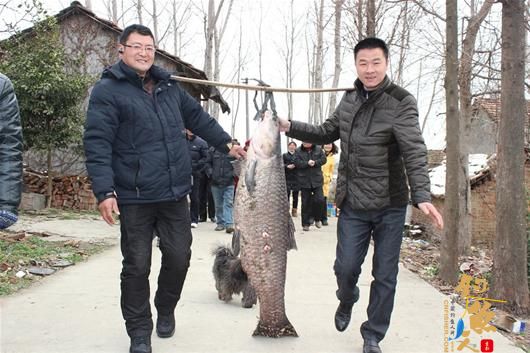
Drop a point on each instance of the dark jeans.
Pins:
(312, 200)
(194, 198)
(324, 210)
(294, 191)
(171, 222)
(354, 230)
(207, 205)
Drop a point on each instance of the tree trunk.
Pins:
(114, 12)
(464, 82)
(370, 20)
(139, 11)
(319, 62)
(338, 56)
(208, 50)
(155, 22)
(448, 255)
(510, 281)
(50, 177)
(88, 4)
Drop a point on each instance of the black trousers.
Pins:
(171, 222)
(206, 203)
(312, 201)
(195, 198)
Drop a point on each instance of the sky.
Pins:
(244, 24)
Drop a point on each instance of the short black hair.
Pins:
(135, 28)
(292, 142)
(371, 43)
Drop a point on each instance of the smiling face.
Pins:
(371, 65)
(140, 60)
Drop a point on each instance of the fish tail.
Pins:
(283, 330)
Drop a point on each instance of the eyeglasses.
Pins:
(149, 49)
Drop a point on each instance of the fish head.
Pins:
(266, 140)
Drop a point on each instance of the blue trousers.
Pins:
(171, 222)
(354, 230)
(223, 197)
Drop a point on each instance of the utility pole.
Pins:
(245, 81)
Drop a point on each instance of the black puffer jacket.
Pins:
(10, 148)
(199, 154)
(220, 168)
(309, 177)
(135, 142)
(291, 175)
(381, 147)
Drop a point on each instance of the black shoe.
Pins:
(165, 325)
(371, 346)
(343, 316)
(325, 223)
(140, 344)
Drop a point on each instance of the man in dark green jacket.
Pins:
(10, 154)
(383, 160)
(137, 158)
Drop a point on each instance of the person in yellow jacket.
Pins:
(330, 150)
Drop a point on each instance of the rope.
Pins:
(259, 88)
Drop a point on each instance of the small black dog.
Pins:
(230, 278)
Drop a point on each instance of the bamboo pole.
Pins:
(258, 88)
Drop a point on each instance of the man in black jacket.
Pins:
(291, 176)
(199, 156)
(10, 154)
(221, 171)
(308, 160)
(137, 158)
(382, 154)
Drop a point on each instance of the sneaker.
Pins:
(318, 224)
(324, 223)
(165, 326)
(194, 225)
(219, 228)
(230, 229)
(212, 219)
(305, 228)
(140, 344)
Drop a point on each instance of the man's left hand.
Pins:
(285, 125)
(238, 152)
(431, 211)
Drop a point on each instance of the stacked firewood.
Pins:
(74, 192)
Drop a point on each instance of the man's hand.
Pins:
(311, 163)
(431, 211)
(285, 125)
(290, 166)
(106, 208)
(238, 152)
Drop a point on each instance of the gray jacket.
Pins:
(381, 147)
(10, 148)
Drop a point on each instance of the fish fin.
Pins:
(236, 239)
(290, 236)
(283, 330)
(250, 180)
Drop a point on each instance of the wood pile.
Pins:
(73, 192)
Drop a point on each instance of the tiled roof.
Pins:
(492, 106)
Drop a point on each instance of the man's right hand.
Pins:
(285, 125)
(106, 208)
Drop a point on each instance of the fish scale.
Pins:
(265, 228)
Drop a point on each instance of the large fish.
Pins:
(264, 226)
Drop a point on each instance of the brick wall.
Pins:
(482, 211)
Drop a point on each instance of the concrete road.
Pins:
(77, 310)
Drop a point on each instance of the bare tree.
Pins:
(510, 250)
(338, 55)
(88, 4)
(448, 255)
(154, 16)
(319, 61)
(139, 11)
(464, 82)
(370, 18)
